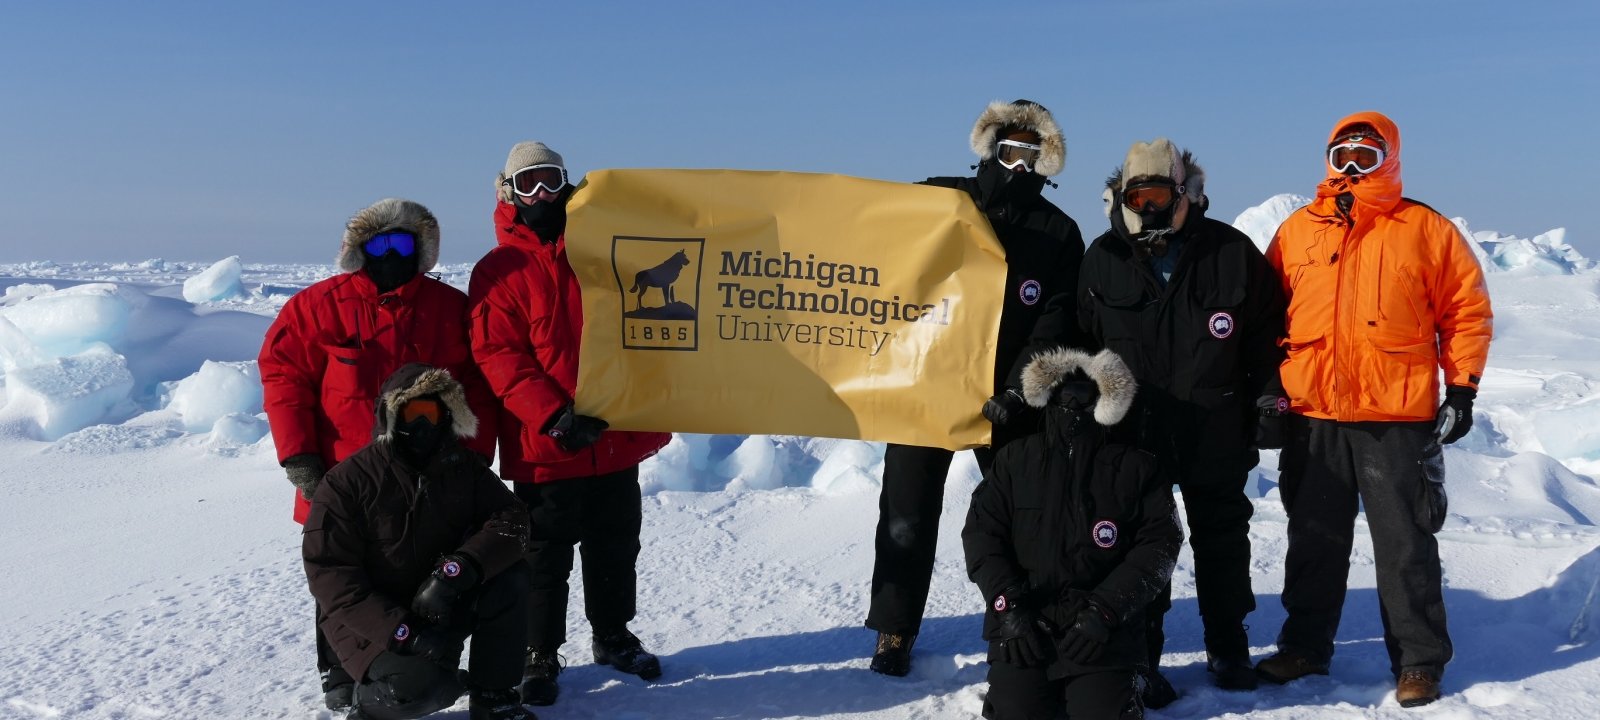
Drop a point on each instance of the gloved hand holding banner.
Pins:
(778, 303)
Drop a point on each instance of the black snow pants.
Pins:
(909, 505)
(1329, 471)
(1018, 693)
(1218, 514)
(401, 687)
(602, 516)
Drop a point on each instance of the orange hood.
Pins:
(1379, 190)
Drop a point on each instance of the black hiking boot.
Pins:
(1232, 673)
(539, 678)
(499, 705)
(1154, 690)
(893, 654)
(621, 650)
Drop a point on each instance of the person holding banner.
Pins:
(579, 480)
(1194, 309)
(1018, 145)
(1069, 537)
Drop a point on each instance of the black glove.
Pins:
(453, 576)
(1455, 414)
(1272, 421)
(1086, 639)
(417, 639)
(1002, 408)
(305, 471)
(1024, 636)
(574, 432)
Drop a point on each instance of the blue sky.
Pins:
(197, 130)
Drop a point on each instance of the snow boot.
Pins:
(539, 678)
(893, 654)
(1232, 673)
(499, 705)
(1228, 656)
(1290, 664)
(1416, 688)
(621, 650)
(1154, 690)
(337, 688)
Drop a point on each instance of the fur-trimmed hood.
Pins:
(1028, 115)
(386, 215)
(1047, 370)
(414, 380)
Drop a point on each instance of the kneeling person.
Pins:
(1069, 537)
(412, 545)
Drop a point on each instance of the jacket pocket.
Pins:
(345, 377)
(1434, 505)
(1403, 373)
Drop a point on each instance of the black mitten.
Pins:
(1455, 414)
(1086, 639)
(453, 576)
(574, 432)
(1001, 408)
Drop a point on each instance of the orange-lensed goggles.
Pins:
(1357, 157)
(1145, 197)
(422, 408)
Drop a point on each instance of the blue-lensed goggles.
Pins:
(401, 242)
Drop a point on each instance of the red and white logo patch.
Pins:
(1000, 603)
(1221, 325)
(402, 632)
(452, 568)
(1283, 405)
(1105, 533)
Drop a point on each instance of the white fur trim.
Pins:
(1045, 372)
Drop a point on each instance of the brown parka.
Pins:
(379, 524)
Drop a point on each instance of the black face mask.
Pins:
(1072, 409)
(999, 187)
(418, 440)
(390, 270)
(548, 219)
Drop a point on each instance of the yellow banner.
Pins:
(778, 303)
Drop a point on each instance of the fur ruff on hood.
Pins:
(416, 380)
(1027, 115)
(387, 215)
(1047, 370)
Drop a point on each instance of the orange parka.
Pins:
(1381, 296)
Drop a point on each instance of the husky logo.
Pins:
(1105, 533)
(659, 283)
(1221, 325)
(1030, 292)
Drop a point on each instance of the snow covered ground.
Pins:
(155, 569)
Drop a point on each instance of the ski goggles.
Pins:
(422, 408)
(1354, 156)
(528, 181)
(1012, 153)
(401, 242)
(1150, 196)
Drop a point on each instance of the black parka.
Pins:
(1043, 250)
(1067, 515)
(379, 524)
(1202, 348)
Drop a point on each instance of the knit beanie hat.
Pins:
(525, 154)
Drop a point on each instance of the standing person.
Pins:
(1018, 145)
(412, 545)
(1070, 537)
(1383, 293)
(332, 345)
(579, 480)
(1193, 308)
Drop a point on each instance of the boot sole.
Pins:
(649, 671)
(1417, 702)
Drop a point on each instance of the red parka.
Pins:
(526, 324)
(334, 343)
